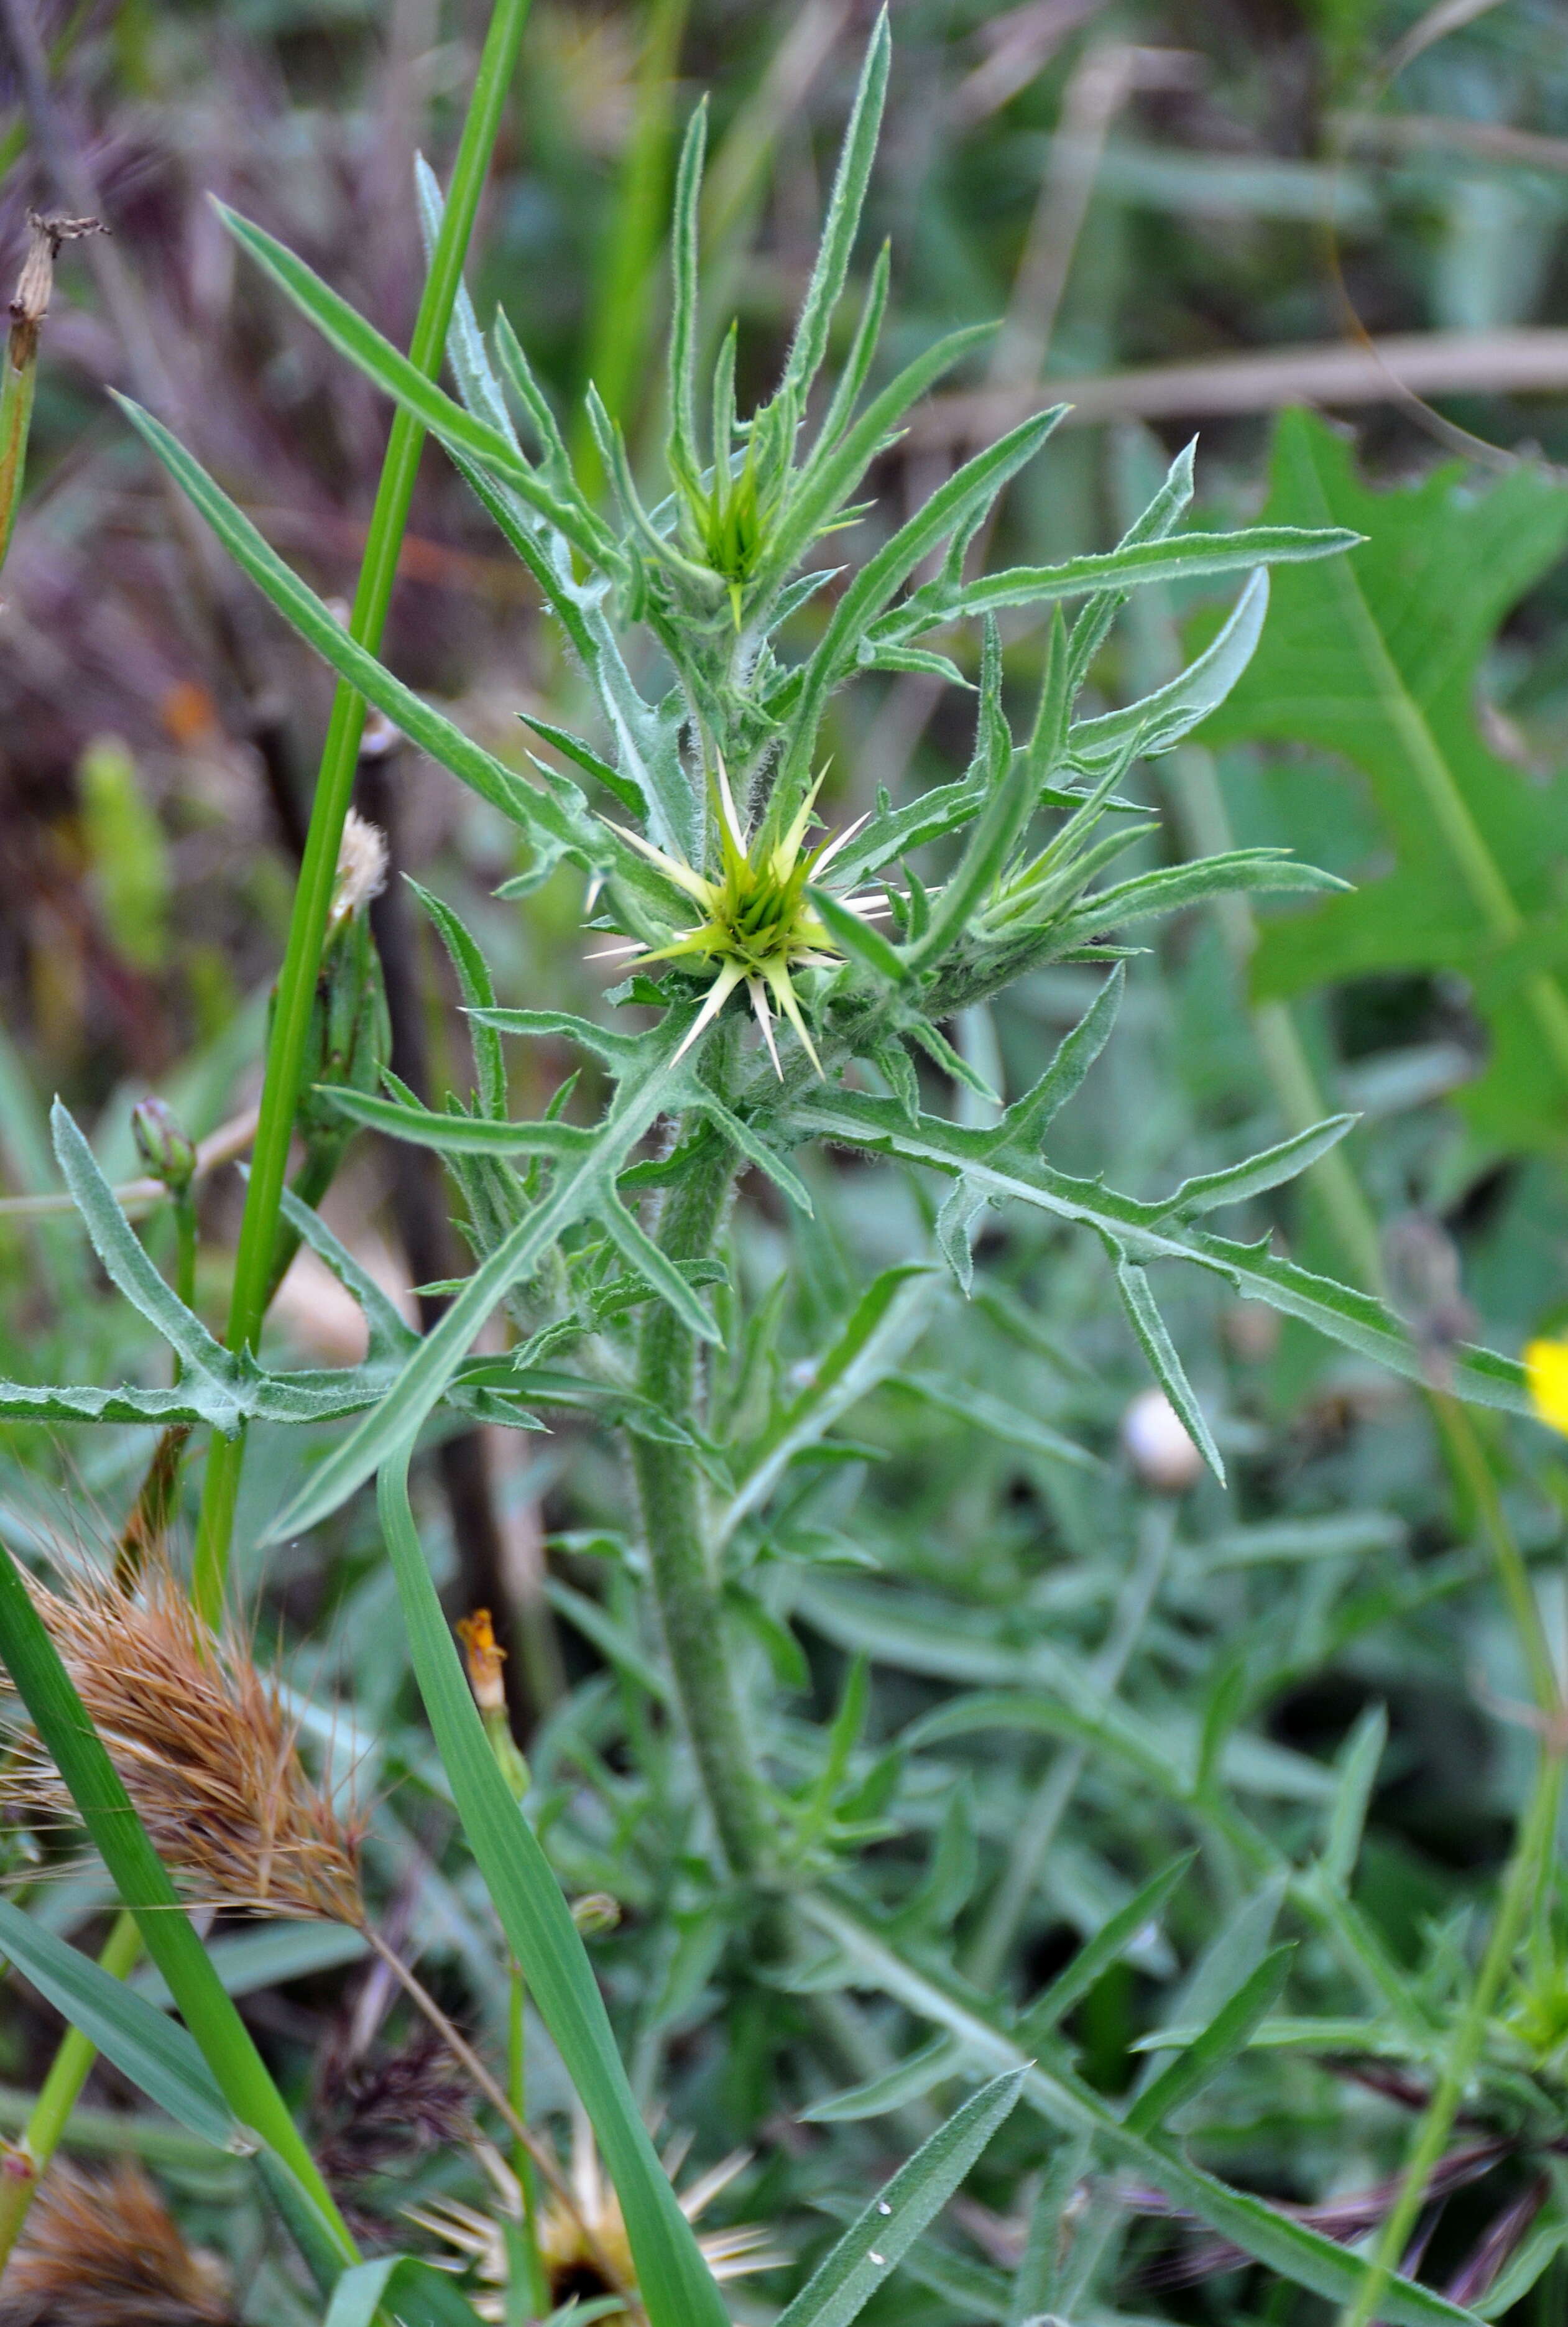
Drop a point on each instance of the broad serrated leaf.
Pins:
(1378, 659)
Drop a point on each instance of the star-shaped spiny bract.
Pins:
(758, 925)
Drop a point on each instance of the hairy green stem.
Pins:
(669, 1492)
(313, 900)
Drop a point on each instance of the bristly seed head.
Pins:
(204, 1745)
(758, 924)
(103, 2251)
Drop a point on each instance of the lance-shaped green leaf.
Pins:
(1358, 1764)
(391, 1337)
(1270, 1168)
(160, 2057)
(991, 843)
(933, 2064)
(889, 1316)
(1225, 2035)
(973, 487)
(635, 1246)
(1189, 557)
(676, 2286)
(1154, 523)
(473, 979)
(858, 939)
(856, 1119)
(743, 1135)
(841, 2286)
(557, 817)
(600, 1041)
(998, 1419)
(1154, 1336)
(1115, 1935)
(830, 270)
(1159, 720)
(391, 371)
(458, 1135)
(642, 1094)
(120, 1249)
(1239, 871)
(402, 2287)
(1025, 1121)
(1062, 2098)
(832, 474)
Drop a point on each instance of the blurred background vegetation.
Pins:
(1188, 217)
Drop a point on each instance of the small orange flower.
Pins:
(485, 1657)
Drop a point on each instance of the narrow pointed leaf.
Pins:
(640, 1096)
(1152, 1331)
(120, 1249)
(1115, 1935)
(910, 2081)
(1225, 2035)
(841, 2286)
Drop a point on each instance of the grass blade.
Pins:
(674, 2281)
(158, 2056)
(842, 2285)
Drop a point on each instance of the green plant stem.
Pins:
(334, 788)
(1531, 1857)
(16, 382)
(669, 1493)
(58, 2096)
(622, 300)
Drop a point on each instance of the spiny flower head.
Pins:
(758, 924)
(575, 2243)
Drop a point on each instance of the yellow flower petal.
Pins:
(1546, 1364)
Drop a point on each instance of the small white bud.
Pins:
(1157, 1444)
(362, 872)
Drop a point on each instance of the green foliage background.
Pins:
(1129, 1854)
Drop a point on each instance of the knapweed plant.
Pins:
(796, 981)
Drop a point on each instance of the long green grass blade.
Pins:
(158, 2056)
(676, 2288)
